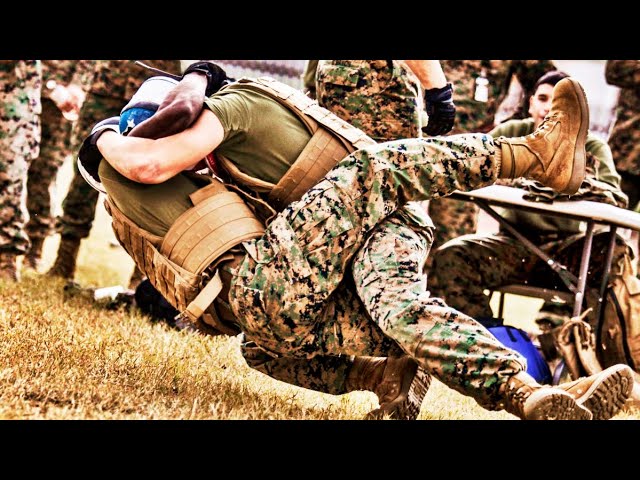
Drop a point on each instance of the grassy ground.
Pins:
(66, 358)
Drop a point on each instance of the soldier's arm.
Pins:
(606, 170)
(155, 161)
(623, 73)
(180, 108)
(429, 72)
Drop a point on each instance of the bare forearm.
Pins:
(429, 72)
(155, 161)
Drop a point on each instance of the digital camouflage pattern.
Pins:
(290, 292)
(456, 217)
(20, 89)
(625, 135)
(112, 85)
(55, 145)
(626, 130)
(384, 101)
(383, 98)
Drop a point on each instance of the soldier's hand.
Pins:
(441, 110)
(179, 109)
(89, 157)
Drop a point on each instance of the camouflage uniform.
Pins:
(292, 295)
(626, 131)
(20, 86)
(55, 146)
(455, 217)
(479, 262)
(383, 99)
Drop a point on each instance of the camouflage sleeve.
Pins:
(605, 169)
(623, 73)
(84, 73)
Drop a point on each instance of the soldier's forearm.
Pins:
(429, 72)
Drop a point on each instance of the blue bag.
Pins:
(518, 340)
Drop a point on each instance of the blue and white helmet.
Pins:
(145, 102)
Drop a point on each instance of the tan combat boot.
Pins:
(528, 400)
(398, 382)
(9, 267)
(65, 264)
(604, 393)
(34, 255)
(555, 153)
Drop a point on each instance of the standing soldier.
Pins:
(64, 80)
(20, 86)
(479, 87)
(113, 83)
(626, 131)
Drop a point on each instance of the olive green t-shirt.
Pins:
(261, 137)
(546, 223)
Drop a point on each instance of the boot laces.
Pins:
(544, 127)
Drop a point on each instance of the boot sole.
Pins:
(606, 397)
(407, 406)
(555, 404)
(580, 155)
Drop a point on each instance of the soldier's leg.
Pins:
(568, 252)
(445, 342)
(13, 211)
(466, 266)
(358, 357)
(54, 148)
(20, 85)
(79, 205)
(311, 242)
(453, 218)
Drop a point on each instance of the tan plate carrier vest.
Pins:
(181, 265)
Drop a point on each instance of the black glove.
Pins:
(89, 156)
(441, 110)
(216, 76)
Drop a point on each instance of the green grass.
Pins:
(66, 358)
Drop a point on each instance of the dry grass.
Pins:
(69, 359)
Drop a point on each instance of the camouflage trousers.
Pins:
(475, 263)
(453, 219)
(293, 294)
(79, 206)
(55, 146)
(19, 144)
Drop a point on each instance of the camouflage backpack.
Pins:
(618, 336)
